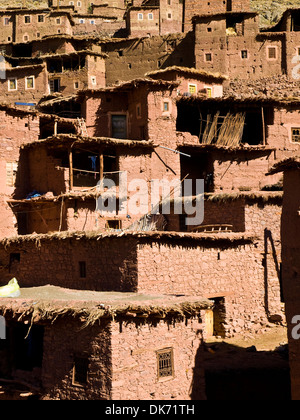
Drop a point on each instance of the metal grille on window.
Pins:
(296, 135)
(165, 363)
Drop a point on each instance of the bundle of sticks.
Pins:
(228, 133)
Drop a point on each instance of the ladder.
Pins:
(82, 126)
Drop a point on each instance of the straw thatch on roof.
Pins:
(188, 71)
(48, 303)
(285, 165)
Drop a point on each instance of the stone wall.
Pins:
(134, 361)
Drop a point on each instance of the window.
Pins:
(165, 363)
(169, 16)
(12, 84)
(58, 21)
(54, 85)
(40, 18)
(296, 135)
(166, 106)
(38, 35)
(80, 370)
(27, 19)
(192, 89)
(209, 92)
(79, 3)
(25, 38)
(93, 80)
(76, 85)
(81, 21)
(209, 29)
(272, 53)
(113, 224)
(92, 22)
(29, 82)
(119, 126)
(244, 54)
(6, 21)
(150, 16)
(208, 57)
(71, 3)
(140, 16)
(11, 173)
(82, 269)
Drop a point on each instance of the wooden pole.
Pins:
(101, 167)
(71, 169)
(264, 126)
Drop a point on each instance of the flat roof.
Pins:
(47, 303)
(285, 165)
(189, 71)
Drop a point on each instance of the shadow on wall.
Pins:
(234, 373)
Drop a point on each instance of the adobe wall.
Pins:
(98, 25)
(17, 128)
(110, 264)
(171, 17)
(26, 32)
(207, 271)
(131, 59)
(244, 172)
(227, 50)
(65, 339)
(22, 93)
(138, 27)
(134, 361)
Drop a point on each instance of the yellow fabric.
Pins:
(12, 289)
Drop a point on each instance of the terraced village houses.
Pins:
(116, 303)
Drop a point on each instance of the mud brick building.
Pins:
(24, 25)
(73, 355)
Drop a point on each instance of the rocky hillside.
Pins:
(271, 10)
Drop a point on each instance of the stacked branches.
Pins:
(228, 132)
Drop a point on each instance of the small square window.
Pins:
(208, 57)
(165, 363)
(29, 82)
(40, 18)
(12, 84)
(244, 54)
(209, 29)
(166, 106)
(81, 21)
(169, 16)
(296, 135)
(27, 19)
(58, 21)
(192, 89)
(140, 16)
(150, 16)
(6, 21)
(25, 38)
(272, 53)
(92, 22)
(76, 85)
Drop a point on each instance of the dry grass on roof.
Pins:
(286, 164)
(48, 303)
(188, 70)
(264, 197)
(205, 239)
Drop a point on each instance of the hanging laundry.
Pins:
(94, 166)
